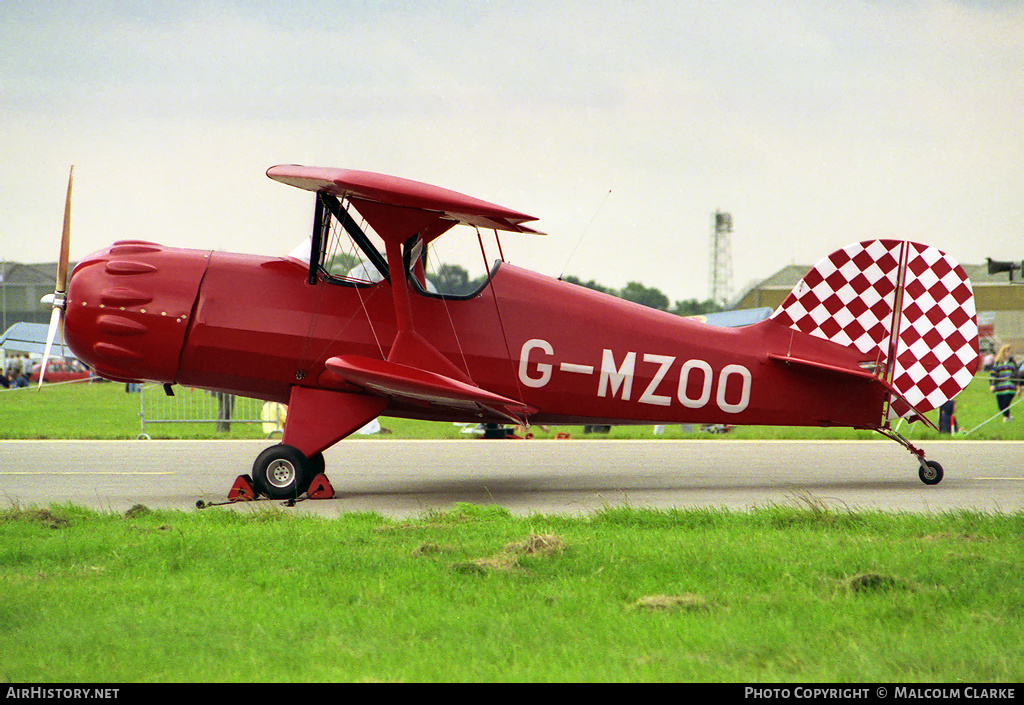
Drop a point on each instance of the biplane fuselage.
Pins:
(254, 326)
(878, 330)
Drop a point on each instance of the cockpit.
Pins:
(344, 250)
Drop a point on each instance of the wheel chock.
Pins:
(242, 490)
(320, 488)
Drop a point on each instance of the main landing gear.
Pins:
(317, 419)
(930, 471)
(281, 472)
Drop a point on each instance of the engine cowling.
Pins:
(129, 307)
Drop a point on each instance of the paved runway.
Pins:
(407, 478)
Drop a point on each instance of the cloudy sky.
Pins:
(622, 126)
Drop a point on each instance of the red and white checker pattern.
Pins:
(937, 350)
(850, 296)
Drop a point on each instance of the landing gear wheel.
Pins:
(316, 466)
(930, 472)
(282, 472)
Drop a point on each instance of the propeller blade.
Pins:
(61, 285)
(65, 240)
(51, 333)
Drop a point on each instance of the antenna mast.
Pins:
(720, 261)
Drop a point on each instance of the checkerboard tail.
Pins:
(907, 308)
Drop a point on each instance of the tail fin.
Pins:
(859, 295)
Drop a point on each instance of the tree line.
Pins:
(652, 298)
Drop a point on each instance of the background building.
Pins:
(21, 287)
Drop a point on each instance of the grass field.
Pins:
(105, 411)
(774, 595)
(257, 594)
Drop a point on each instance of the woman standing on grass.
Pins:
(1003, 381)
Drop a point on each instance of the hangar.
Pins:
(24, 318)
(21, 287)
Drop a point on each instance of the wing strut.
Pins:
(316, 248)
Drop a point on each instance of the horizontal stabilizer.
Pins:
(404, 382)
(818, 365)
(908, 410)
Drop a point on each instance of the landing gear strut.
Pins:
(930, 471)
(317, 419)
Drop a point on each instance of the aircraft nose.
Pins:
(128, 309)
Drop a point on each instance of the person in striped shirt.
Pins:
(1003, 381)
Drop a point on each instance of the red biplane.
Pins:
(877, 331)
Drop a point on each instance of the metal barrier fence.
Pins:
(190, 405)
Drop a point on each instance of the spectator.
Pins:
(1003, 381)
(947, 417)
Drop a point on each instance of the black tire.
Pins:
(930, 473)
(316, 466)
(281, 472)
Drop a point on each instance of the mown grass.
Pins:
(477, 594)
(104, 411)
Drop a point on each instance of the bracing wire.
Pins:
(497, 311)
(584, 232)
(432, 256)
(366, 312)
(334, 248)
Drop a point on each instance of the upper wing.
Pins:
(395, 191)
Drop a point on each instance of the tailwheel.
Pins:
(284, 472)
(930, 472)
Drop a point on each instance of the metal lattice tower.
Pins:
(720, 261)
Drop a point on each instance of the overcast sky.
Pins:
(622, 126)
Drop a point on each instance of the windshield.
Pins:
(457, 263)
(350, 252)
